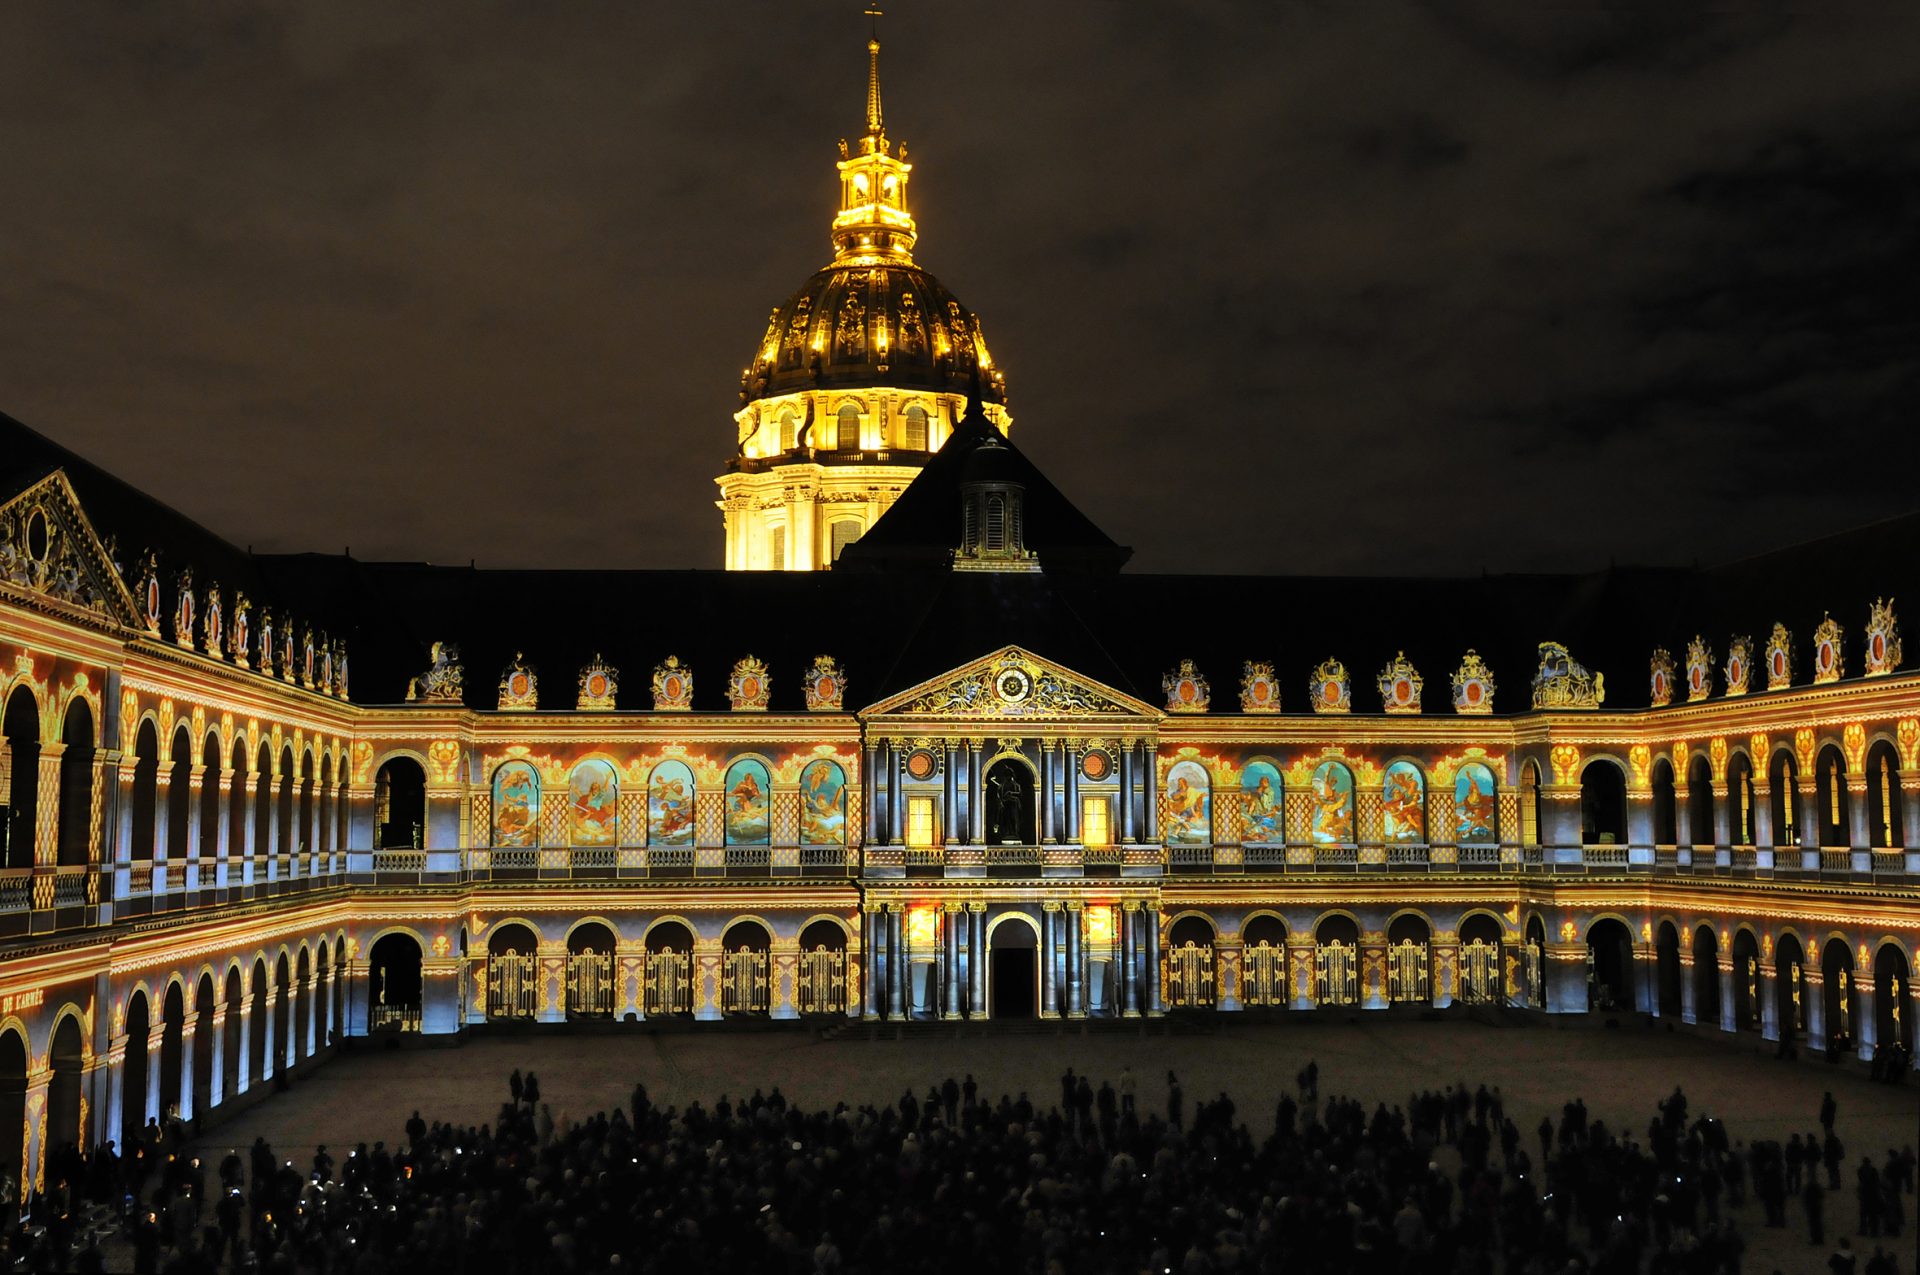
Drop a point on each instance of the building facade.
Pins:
(1023, 783)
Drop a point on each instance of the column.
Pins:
(153, 1101)
(331, 1002)
(1152, 805)
(116, 1092)
(243, 1066)
(251, 804)
(33, 1165)
(217, 1080)
(265, 1027)
(1813, 1003)
(896, 1003)
(873, 982)
(1910, 815)
(977, 793)
(1724, 964)
(949, 792)
(1049, 823)
(162, 817)
(1646, 979)
(1913, 995)
(1689, 1012)
(977, 959)
(1809, 813)
(189, 1026)
(1150, 922)
(1075, 919)
(950, 915)
(1070, 760)
(46, 832)
(1866, 1024)
(223, 835)
(1124, 984)
(1126, 792)
(1859, 834)
(1769, 1000)
(1049, 931)
(1762, 807)
(196, 783)
(896, 801)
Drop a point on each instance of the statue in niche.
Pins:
(1007, 806)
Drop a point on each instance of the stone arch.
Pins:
(1610, 963)
(15, 1060)
(1013, 967)
(1666, 803)
(1741, 828)
(66, 1059)
(1831, 799)
(1700, 801)
(400, 802)
(395, 959)
(1666, 962)
(21, 724)
(1603, 801)
(1403, 800)
(1886, 811)
(205, 1006)
(74, 834)
(1012, 795)
(1706, 975)
(1893, 986)
(1745, 949)
(1789, 964)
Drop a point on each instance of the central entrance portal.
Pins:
(1011, 970)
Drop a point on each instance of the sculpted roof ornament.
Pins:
(1739, 665)
(519, 687)
(1259, 689)
(1699, 669)
(1332, 693)
(826, 687)
(1186, 690)
(239, 630)
(1400, 685)
(48, 546)
(1883, 639)
(183, 609)
(748, 688)
(444, 680)
(672, 686)
(1829, 657)
(599, 684)
(1013, 683)
(1779, 658)
(1563, 682)
(1473, 686)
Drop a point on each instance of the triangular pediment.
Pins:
(1016, 684)
(49, 549)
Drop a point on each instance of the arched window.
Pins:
(1409, 976)
(748, 797)
(516, 805)
(996, 522)
(789, 430)
(1699, 803)
(916, 428)
(777, 548)
(1603, 803)
(400, 805)
(208, 848)
(393, 984)
(595, 793)
(846, 429)
(1332, 805)
(1189, 820)
(1403, 803)
(1831, 778)
(1740, 800)
(263, 800)
(1266, 809)
(179, 795)
(237, 808)
(1474, 806)
(22, 725)
(1530, 804)
(1783, 799)
(843, 531)
(1666, 815)
(823, 804)
(146, 778)
(670, 805)
(1883, 798)
(76, 785)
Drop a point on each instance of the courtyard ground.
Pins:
(368, 1093)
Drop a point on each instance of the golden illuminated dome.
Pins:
(872, 318)
(858, 380)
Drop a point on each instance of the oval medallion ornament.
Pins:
(1186, 690)
(1259, 689)
(748, 689)
(1472, 686)
(1096, 764)
(826, 685)
(1883, 639)
(1400, 685)
(599, 684)
(1331, 692)
(1829, 663)
(672, 686)
(519, 688)
(921, 764)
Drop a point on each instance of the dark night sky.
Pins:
(1291, 287)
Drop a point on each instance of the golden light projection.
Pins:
(923, 928)
(1100, 926)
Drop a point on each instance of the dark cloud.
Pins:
(1279, 287)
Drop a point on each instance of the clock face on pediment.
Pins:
(1012, 683)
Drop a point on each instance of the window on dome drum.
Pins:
(777, 549)
(846, 429)
(996, 523)
(920, 832)
(916, 429)
(844, 532)
(1095, 826)
(789, 429)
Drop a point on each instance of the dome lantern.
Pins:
(873, 225)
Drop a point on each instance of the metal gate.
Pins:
(1480, 972)
(1264, 975)
(590, 984)
(668, 986)
(823, 981)
(743, 982)
(1337, 973)
(1407, 975)
(513, 985)
(1187, 976)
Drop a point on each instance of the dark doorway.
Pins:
(1011, 971)
(1011, 803)
(1610, 966)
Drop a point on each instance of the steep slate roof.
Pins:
(895, 615)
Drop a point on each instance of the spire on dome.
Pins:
(873, 224)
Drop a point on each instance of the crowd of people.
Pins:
(1102, 1181)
